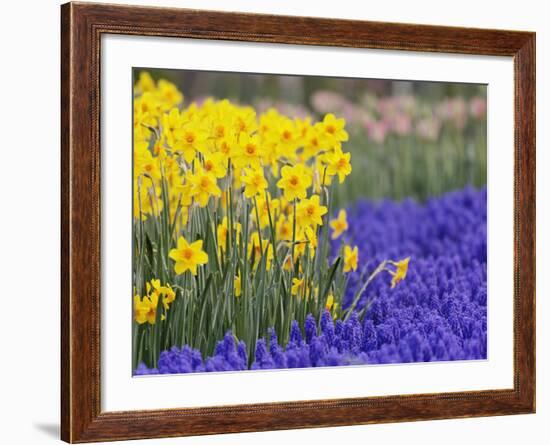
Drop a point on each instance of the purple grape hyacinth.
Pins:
(439, 312)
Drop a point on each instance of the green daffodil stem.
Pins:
(359, 293)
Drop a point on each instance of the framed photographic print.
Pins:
(278, 222)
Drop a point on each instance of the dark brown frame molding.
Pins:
(82, 25)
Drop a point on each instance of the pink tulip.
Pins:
(454, 110)
(327, 101)
(377, 131)
(428, 129)
(406, 104)
(401, 124)
(478, 107)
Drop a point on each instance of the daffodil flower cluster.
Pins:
(145, 309)
(232, 208)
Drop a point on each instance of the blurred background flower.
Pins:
(414, 139)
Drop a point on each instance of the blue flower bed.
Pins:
(439, 312)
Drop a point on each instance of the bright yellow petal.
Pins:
(174, 254)
(202, 258)
(181, 268)
(182, 243)
(197, 245)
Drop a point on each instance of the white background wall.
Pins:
(29, 224)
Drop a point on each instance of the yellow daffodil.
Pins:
(154, 283)
(168, 94)
(152, 302)
(283, 228)
(266, 207)
(297, 286)
(333, 130)
(145, 310)
(250, 151)
(310, 212)
(166, 292)
(237, 285)
(221, 126)
(189, 140)
(284, 139)
(268, 121)
(144, 162)
(338, 163)
(172, 123)
(259, 249)
(254, 182)
(306, 239)
(339, 225)
(227, 147)
(140, 310)
(294, 181)
(245, 121)
(148, 107)
(401, 271)
(329, 305)
(351, 257)
(142, 121)
(145, 83)
(223, 232)
(214, 163)
(188, 256)
(203, 186)
(191, 112)
(302, 127)
(314, 142)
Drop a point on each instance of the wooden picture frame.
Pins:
(82, 25)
